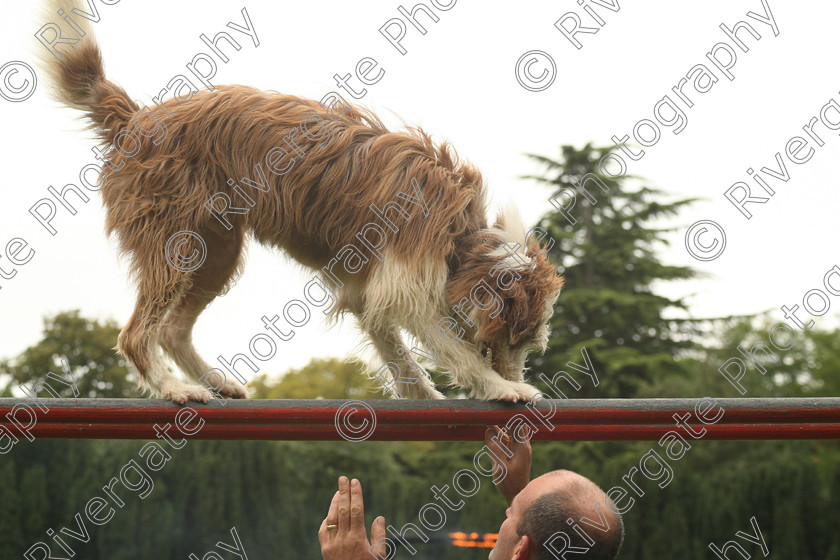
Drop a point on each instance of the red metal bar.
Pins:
(440, 433)
(313, 412)
(424, 416)
(428, 420)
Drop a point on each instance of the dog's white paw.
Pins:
(510, 391)
(233, 390)
(181, 393)
(435, 394)
(420, 391)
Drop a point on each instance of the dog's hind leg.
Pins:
(138, 341)
(215, 274)
(410, 383)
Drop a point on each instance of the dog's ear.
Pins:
(471, 284)
(518, 314)
(533, 298)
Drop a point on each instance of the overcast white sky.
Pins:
(458, 82)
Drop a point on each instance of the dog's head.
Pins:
(505, 290)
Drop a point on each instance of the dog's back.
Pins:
(238, 157)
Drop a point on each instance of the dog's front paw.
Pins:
(419, 391)
(181, 393)
(233, 390)
(435, 394)
(504, 390)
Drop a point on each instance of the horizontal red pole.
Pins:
(433, 412)
(440, 433)
(427, 420)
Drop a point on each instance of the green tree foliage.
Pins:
(277, 493)
(6, 391)
(824, 363)
(608, 257)
(88, 346)
(11, 535)
(35, 505)
(319, 379)
(800, 364)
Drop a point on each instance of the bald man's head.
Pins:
(560, 496)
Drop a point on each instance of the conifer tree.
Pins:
(608, 257)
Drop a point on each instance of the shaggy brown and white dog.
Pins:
(350, 172)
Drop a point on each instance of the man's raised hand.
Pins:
(517, 467)
(342, 534)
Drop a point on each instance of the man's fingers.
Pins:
(332, 513)
(493, 445)
(323, 535)
(357, 507)
(377, 537)
(343, 504)
(500, 442)
(488, 435)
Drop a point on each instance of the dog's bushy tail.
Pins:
(77, 78)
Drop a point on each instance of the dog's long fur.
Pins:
(311, 212)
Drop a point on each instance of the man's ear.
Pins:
(522, 550)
